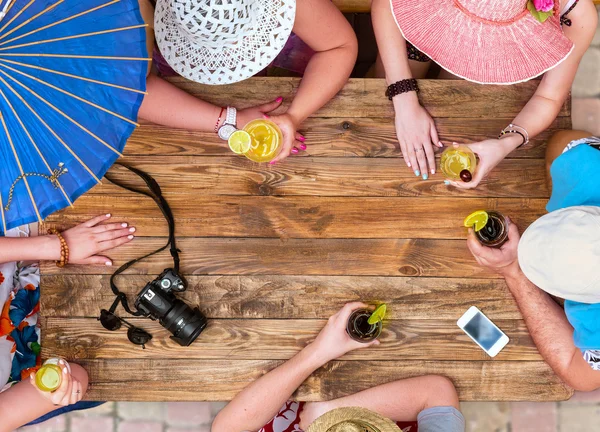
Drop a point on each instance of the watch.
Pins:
(228, 127)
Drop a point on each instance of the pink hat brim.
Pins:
(477, 51)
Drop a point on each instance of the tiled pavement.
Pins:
(580, 414)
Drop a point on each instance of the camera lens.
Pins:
(184, 323)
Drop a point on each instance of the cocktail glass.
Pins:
(458, 159)
(495, 232)
(359, 329)
(266, 140)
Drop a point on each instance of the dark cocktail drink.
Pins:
(495, 231)
(359, 328)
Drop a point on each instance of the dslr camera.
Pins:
(158, 302)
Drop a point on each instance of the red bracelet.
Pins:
(216, 130)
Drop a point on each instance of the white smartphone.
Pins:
(483, 332)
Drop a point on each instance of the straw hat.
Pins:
(352, 419)
(484, 41)
(560, 253)
(222, 41)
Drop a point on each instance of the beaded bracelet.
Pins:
(403, 86)
(64, 248)
(216, 129)
(514, 129)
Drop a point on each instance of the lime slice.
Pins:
(378, 314)
(477, 220)
(239, 142)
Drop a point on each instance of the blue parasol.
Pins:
(72, 78)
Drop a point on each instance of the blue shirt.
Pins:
(576, 182)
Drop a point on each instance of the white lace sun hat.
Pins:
(222, 41)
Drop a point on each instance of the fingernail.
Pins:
(294, 150)
(446, 182)
(417, 173)
(131, 229)
(265, 116)
(123, 224)
(303, 146)
(130, 237)
(108, 263)
(440, 144)
(408, 163)
(432, 171)
(279, 99)
(107, 214)
(272, 163)
(301, 138)
(65, 371)
(425, 176)
(61, 361)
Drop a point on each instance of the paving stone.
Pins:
(56, 424)
(533, 416)
(148, 411)
(92, 424)
(587, 79)
(106, 409)
(139, 426)
(585, 114)
(189, 413)
(582, 417)
(486, 416)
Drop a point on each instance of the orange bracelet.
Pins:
(64, 248)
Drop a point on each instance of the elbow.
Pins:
(579, 384)
(218, 424)
(441, 392)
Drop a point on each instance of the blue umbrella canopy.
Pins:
(72, 78)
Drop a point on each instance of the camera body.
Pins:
(158, 302)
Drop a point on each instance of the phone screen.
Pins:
(483, 331)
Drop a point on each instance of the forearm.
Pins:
(539, 113)
(258, 403)
(325, 75)
(40, 248)
(21, 404)
(168, 105)
(546, 322)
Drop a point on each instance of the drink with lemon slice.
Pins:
(48, 378)
(458, 162)
(364, 325)
(491, 227)
(259, 141)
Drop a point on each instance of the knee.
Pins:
(81, 375)
(441, 392)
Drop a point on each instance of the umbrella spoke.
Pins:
(55, 23)
(72, 76)
(16, 15)
(9, 4)
(52, 6)
(73, 56)
(12, 145)
(77, 36)
(72, 95)
(34, 145)
(2, 212)
(61, 113)
(50, 129)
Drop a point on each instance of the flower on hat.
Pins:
(541, 9)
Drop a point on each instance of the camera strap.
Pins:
(155, 193)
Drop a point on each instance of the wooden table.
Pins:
(272, 252)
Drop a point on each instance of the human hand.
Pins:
(490, 152)
(88, 239)
(333, 341)
(69, 392)
(246, 115)
(503, 260)
(293, 142)
(416, 134)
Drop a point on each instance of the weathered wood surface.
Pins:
(270, 252)
(178, 380)
(350, 177)
(258, 339)
(301, 217)
(365, 97)
(281, 297)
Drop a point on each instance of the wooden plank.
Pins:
(266, 339)
(364, 97)
(354, 6)
(361, 257)
(204, 380)
(358, 177)
(336, 137)
(287, 297)
(300, 217)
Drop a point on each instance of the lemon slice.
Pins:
(378, 314)
(477, 220)
(239, 142)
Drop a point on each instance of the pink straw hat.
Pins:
(484, 41)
